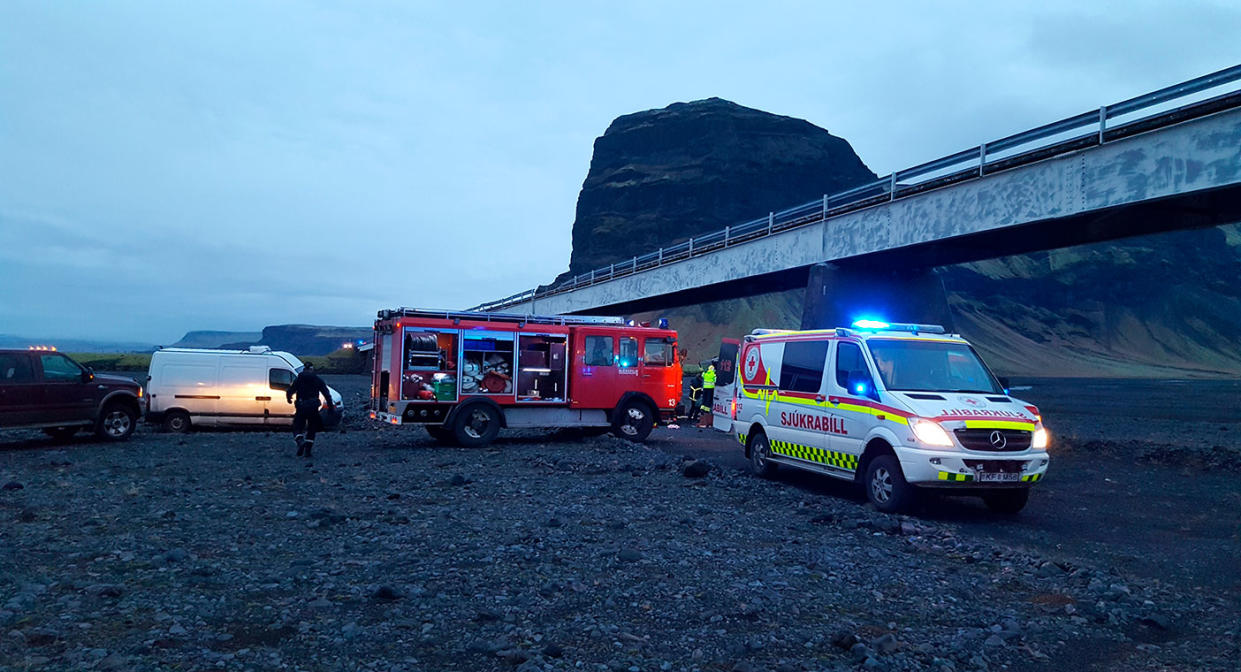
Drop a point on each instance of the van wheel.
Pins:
(116, 422)
(634, 422)
(177, 422)
(477, 425)
(441, 434)
(61, 433)
(886, 487)
(1007, 501)
(760, 455)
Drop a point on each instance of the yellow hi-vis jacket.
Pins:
(708, 378)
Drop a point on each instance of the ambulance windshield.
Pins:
(928, 366)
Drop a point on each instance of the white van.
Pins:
(898, 408)
(211, 388)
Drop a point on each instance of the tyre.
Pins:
(116, 422)
(760, 455)
(177, 422)
(61, 433)
(441, 434)
(886, 487)
(634, 422)
(1007, 501)
(476, 425)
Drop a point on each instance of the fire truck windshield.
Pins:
(928, 366)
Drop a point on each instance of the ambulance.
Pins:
(897, 408)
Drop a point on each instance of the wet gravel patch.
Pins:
(220, 550)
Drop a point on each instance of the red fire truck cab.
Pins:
(465, 375)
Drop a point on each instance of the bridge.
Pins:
(1166, 160)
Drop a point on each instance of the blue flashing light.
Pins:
(870, 324)
(624, 363)
(860, 388)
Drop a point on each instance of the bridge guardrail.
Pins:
(961, 166)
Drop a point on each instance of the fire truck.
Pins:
(466, 375)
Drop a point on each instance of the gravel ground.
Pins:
(220, 550)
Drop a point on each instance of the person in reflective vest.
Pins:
(708, 388)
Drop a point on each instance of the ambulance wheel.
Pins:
(476, 425)
(177, 422)
(760, 455)
(634, 422)
(1007, 501)
(886, 487)
(441, 434)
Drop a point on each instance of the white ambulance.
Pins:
(896, 407)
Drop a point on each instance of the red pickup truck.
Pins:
(46, 390)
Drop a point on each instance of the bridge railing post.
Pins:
(1102, 122)
(824, 206)
(771, 222)
(892, 188)
(691, 247)
(592, 276)
(611, 271)
(661, 257)
(982, 157)
(727, 230)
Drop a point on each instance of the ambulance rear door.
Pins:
(724, 406)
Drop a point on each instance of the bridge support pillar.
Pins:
(836, 295)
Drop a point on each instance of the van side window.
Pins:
(849, 361)
(802, 367)
(280, 379)
(599, 351)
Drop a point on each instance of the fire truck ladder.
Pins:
(562, 320)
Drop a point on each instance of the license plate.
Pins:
(997, 477)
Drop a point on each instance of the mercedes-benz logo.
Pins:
(997, 440)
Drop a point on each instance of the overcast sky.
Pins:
(168, 166)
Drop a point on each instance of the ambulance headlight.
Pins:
(1040, 439)
(930, 432)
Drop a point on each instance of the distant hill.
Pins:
(1167, 305)
(216, 339)
(75, 344)
(299, 339)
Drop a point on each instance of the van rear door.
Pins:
(724, 405)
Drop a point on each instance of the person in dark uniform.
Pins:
(306, 421)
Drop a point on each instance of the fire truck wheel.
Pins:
(760, 451)
(886, 487)
(177, 422)
(634, 422)
(1007, 501)
(441, 433)
(476, 425)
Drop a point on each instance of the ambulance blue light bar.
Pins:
(876, 325)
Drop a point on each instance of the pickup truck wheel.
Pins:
(760, 455)
(886, 487)
(177, 422)
(1007, 501)
(441, 434)
(61, 433)
(476, 425)
(634, 422)
(116, 422)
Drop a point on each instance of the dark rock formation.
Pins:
(216, 339)
(306, 339)
(661, 176)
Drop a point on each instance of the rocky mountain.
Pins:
(299, 339)
(1167, 305)
(216, 339)
(661, 176)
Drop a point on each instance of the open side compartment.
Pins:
(487, 363)
(430, 365)
(542, 368)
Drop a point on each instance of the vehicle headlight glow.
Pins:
(930, 432)
(1040, 439)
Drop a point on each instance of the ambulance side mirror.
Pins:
(861, 385)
